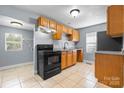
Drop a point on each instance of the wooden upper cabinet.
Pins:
(115, 20)
(63, 60)
(75, 36)
(69, 31)
(64, 29)
(58, 34)
(42, 21)
(52, 24)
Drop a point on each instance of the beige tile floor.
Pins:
(78, 76)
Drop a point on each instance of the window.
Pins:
(91, 42)
(13, 42)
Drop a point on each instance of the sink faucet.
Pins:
(65, 45)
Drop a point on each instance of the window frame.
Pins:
(21, 42)
(87, 43)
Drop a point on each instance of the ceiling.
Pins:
(6, 21)
(89, 14)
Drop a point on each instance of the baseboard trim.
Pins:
(16, 65)
(88, 61)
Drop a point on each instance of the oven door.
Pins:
(52, 60)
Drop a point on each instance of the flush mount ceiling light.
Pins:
(74, 12)
(17, 24)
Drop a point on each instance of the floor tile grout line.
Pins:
(38, 83)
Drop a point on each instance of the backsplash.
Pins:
(42, 38)
(59, 44)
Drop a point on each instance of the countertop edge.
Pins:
(110, 52)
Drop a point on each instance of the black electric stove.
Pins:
(48, 61)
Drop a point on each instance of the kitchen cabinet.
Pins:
(58, 34)
(72, 34)
(69, 31)
(52, 24)
(69, 58)
(79, 55)
(115, 20)
(42, 21)
(75, 36)
(63, 60)
(74, 56)
(109, 69)
(64, 29)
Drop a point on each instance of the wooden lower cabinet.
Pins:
(79, 56)
(109, 69)
(69, 58)
(63, 60)
(74, 56)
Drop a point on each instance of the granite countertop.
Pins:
(110, 52)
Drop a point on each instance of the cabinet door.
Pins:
(99, 66)
(76, 36)
(79, 55)
(74, 57)
(63, 60)
(69, 31)
(72, 37)
(115, 21)
(65, 30)
(69, 58)
(42, 21)
(109, 69)
(58, 34)
(52, 24)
